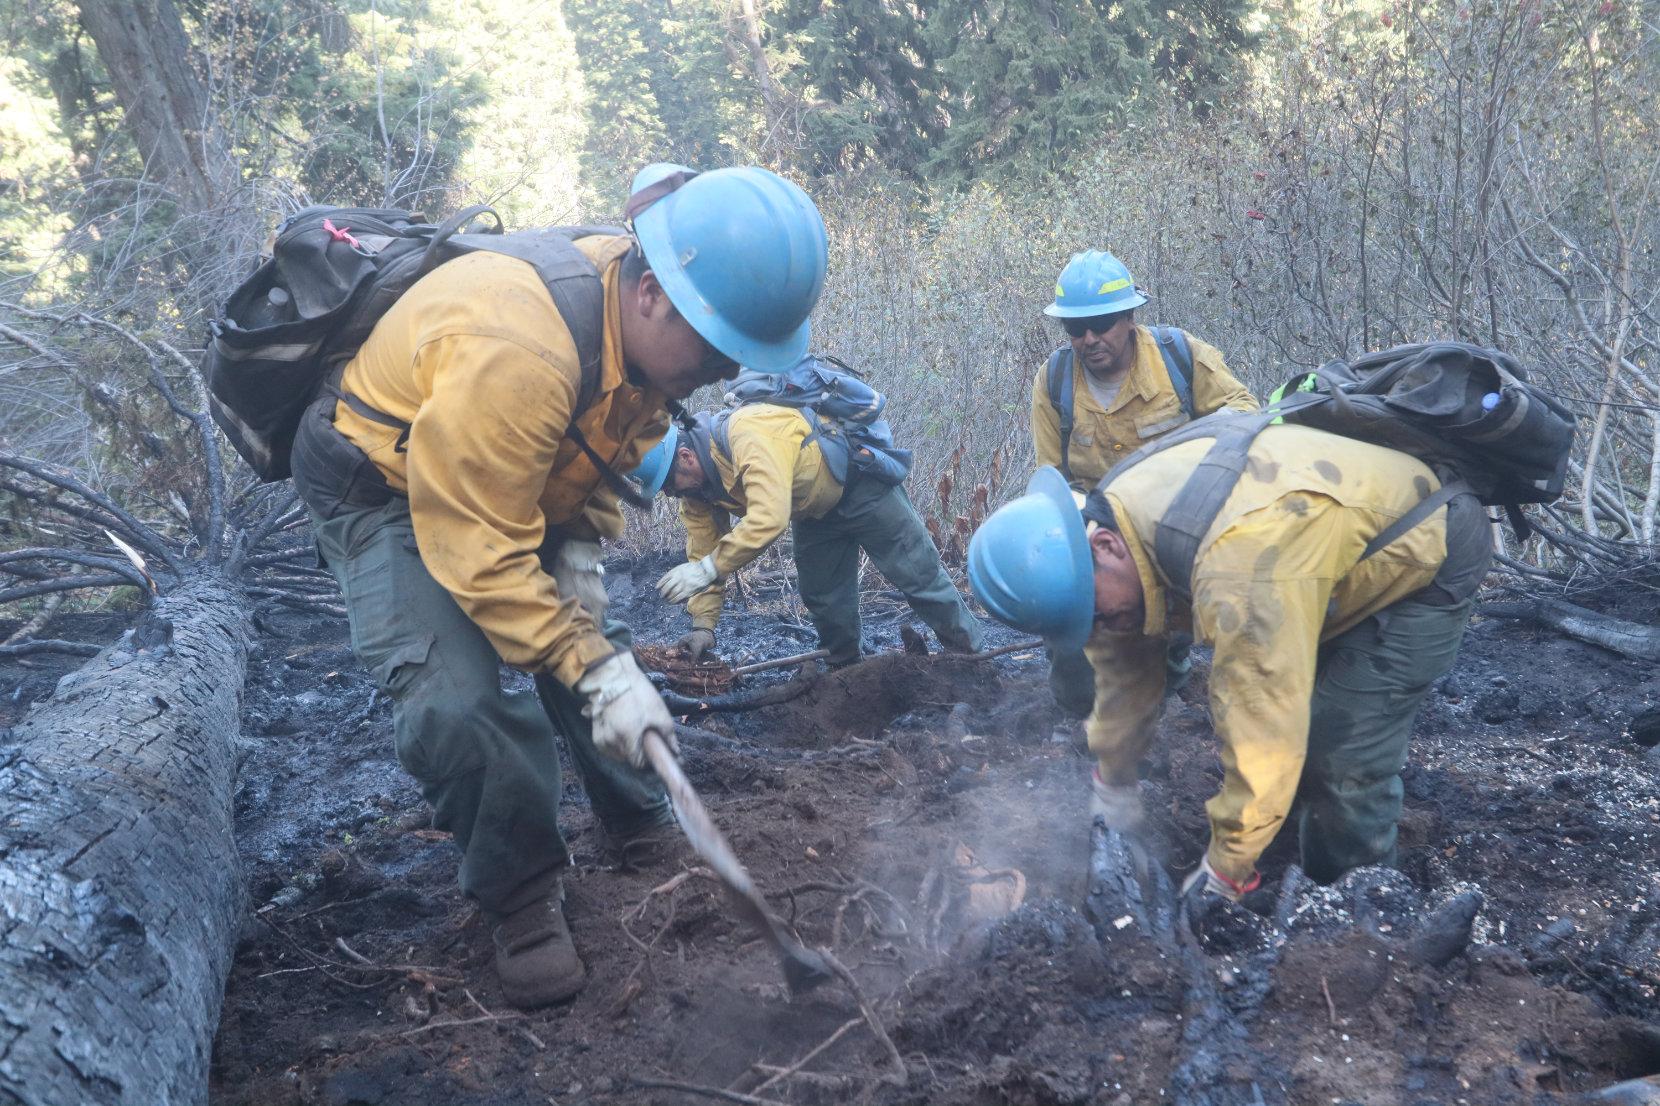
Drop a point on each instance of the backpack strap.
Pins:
(1058, 380)
(1190, 515)
(1178, 363)
(578, 293)
(1425, 507)
(1202, 496)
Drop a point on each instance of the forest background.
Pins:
(1292, 181)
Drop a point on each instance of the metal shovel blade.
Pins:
(804, 969)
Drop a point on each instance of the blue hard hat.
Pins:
(741, 253)
(1094, 283)
(1030, 565)
(655, 466)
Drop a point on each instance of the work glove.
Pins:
(1119, 805)
(624, 706)
(579, 574)
(696, 643)
(1207, 881)
(682, 582)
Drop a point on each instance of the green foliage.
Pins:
(1028, 84)
(870, 68)
(526, 132)
(38, 162)
(658, 87)
(360, 101)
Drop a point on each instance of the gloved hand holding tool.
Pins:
(682, 582)
(624, 706)
(579, 572)
(696, 644)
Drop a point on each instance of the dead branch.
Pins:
(140, 534)
(900, 1075)
(705, 1092)
(77, 557)
(199, 419)
(772, 696)
(29, 648)
(786, 1073)
(259, 560)
(67, 583)
(1629, 639)
(780, 662)
(38, 622)
(278, 518)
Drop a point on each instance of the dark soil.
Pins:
(896, 810)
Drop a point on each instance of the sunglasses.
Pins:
(715, 363)
(1100, 324)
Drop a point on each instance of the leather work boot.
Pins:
(535, 959)
(653, 847)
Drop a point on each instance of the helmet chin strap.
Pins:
(650, 194)
(1098, 512)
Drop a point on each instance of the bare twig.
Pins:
(900, 1075)
(817, 1049)
(705, 1092)
(29, 648)
(780, 662)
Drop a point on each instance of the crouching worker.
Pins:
(1334, 582)
(780, 467)
(460, 477)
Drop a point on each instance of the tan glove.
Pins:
(682, 582)
(1119, 805)
(696, 643)
(1206, 880)
(579, 573)
(623, 706)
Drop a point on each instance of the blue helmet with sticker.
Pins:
(1094, 283)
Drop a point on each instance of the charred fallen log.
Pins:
(120, 894)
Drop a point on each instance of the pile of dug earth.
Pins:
(924, 819)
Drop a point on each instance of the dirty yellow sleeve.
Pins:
(1046, 422)
(1260, 597)
(474, 497)
(763, 466)
(1214, 386)
(1129, 696)
(705, 525)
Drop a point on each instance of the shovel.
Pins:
(804, 969)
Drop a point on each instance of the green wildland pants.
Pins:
(1371, 682)
(486, 760)
(879, 519)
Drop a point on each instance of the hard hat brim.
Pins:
(1080, 620)
(650, 228)
(652, 482)
(1091, 310)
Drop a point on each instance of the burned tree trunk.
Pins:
(120, 895)
(1629, 639)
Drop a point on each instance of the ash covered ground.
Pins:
(924, 818)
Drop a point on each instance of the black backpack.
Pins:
(333, 272)
(1466, 411)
